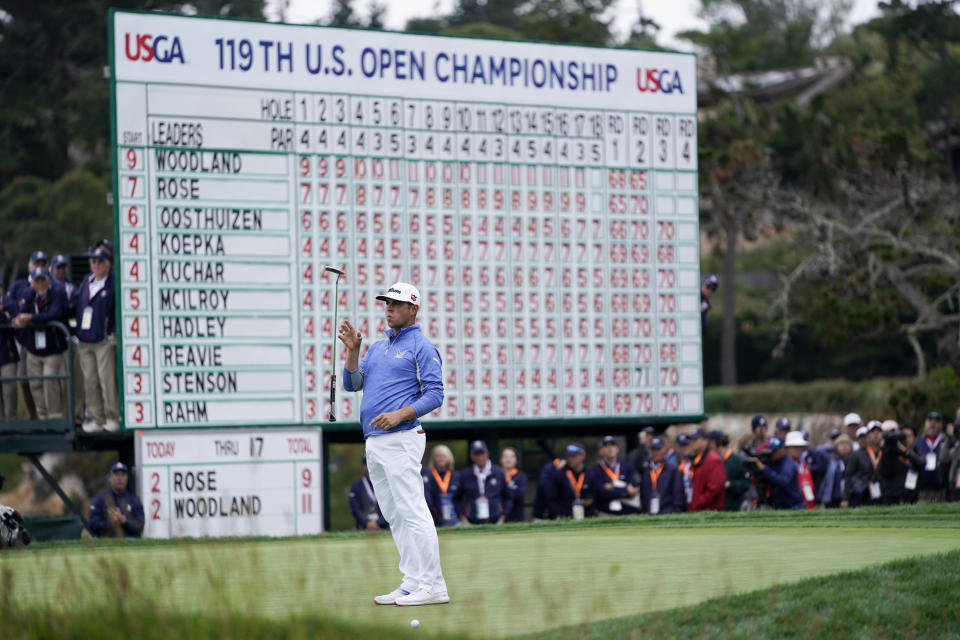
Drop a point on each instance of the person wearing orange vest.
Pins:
(614, 482)
(482, 486)
(661, 484)
(795, 445)
(708, 475)
(441, 486)
(516, 490)
(571, 494)
(862, 477)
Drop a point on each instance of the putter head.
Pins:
(339, 272)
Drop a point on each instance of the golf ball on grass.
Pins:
(414, 623)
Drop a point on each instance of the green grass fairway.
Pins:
(503, 582)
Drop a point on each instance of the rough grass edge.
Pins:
(907, 598)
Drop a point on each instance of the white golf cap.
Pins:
(402, 292)
(862, 431)
(795, 439)
(851, 418)
(889, 425)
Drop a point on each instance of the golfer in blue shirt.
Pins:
(401, 378)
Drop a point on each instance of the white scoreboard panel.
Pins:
(543, 198)
(204, 483)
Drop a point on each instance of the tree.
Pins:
(65, 216)
(54, 102)
(576, 21)
(750, 35)
(893, 232)
(737, 185)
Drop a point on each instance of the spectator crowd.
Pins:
(31, 346)
(862, 463)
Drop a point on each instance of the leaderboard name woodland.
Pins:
(555, 238)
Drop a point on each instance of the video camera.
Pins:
(891, 439)
(13, 533)
(751, 452)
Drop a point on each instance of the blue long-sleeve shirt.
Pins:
(403, 370)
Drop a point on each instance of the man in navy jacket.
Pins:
(929, 484)
(541, 504)
(45, 347)
(482, 488)
(94, 303)
(17, 295)
(363, 504)
(661, 482)
(614, 482)
(572, 494)
(117, 513)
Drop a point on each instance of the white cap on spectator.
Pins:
(889, 425)
(862, 431)
(851, 418)
(795, 439)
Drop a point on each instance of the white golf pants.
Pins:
(394, 463)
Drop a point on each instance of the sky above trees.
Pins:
(673, 17)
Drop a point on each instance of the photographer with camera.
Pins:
(779, 470)
(900, 465)
(862, 477)
(12, 532)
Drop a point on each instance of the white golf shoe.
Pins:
(111, 425)
(91, 427)
(391, 598)
(423, 596)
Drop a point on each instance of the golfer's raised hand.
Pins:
(349, 336)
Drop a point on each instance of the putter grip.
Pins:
(333, 397)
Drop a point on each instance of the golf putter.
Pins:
(333, 363)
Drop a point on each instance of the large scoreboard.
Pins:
(543, 198)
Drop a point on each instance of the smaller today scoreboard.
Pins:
(230, 482)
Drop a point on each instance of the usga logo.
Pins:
(147, 47)
(662, 80)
